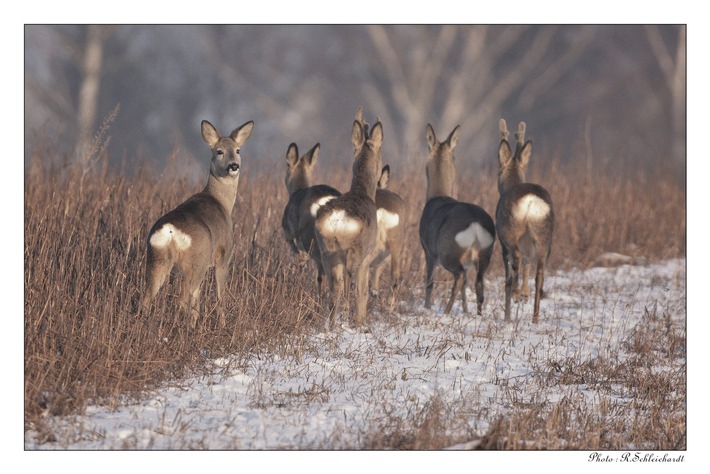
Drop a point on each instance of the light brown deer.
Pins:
(346, 227)
(524, 219)
(391, 218)
(299, 216)
(199, 234)
(456, 235)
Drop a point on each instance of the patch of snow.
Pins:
(346, 380)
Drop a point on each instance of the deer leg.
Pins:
(429, 284)
(511, 277)
(524, 292)
(347, 287)
(315, 254)
(377, 271)
(517, 263)
(319, 280)
(463, 292)
(539, 280)
(361, 287)
(484, 260)
(190, 294)
(157, 271)
(292, 244)
(335, 281)
(394, 277)
(459, 283)
(195, 306)
(221, 273)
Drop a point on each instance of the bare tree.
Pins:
(91, 61)
(672, 65)
(81, 57)
(579, 84)
(461, 74)
(280, 72)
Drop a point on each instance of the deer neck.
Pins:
(297, 182)
(440, 181)
(224, 190)
(508, 179)
(364, 182)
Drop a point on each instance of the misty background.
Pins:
(599, 94)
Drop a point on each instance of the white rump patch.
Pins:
(387, 219)
(317, 205)
(474, 236)
(532, 207)
(339, 223)
(169, 233)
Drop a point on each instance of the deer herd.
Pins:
(348, 234)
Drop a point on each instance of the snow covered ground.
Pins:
(341, 385)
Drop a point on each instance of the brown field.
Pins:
(84, 253)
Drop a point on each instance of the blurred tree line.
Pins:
(598, 93)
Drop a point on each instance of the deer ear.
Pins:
(241, 134)
(312, 156)
(453, 138)
(430, 137)
(384, 177)
(525, 152)
(292, 155)
(210, 133)
(504, 153)
(358, 136)
(376, 135)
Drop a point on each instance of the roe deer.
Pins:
(199, 233)
(346, 227)
(299, 216)
(456, 235)
(524, 219)
(391, 217)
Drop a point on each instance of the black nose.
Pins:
(233, 167)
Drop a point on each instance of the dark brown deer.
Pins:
(299, 216)
(199, 233)
(456, 235)
(524, 219)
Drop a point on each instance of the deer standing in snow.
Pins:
(454, 234)
(524, 220)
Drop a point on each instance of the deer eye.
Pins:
(237, 151)
(220, 152)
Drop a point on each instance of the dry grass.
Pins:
(86, 342)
